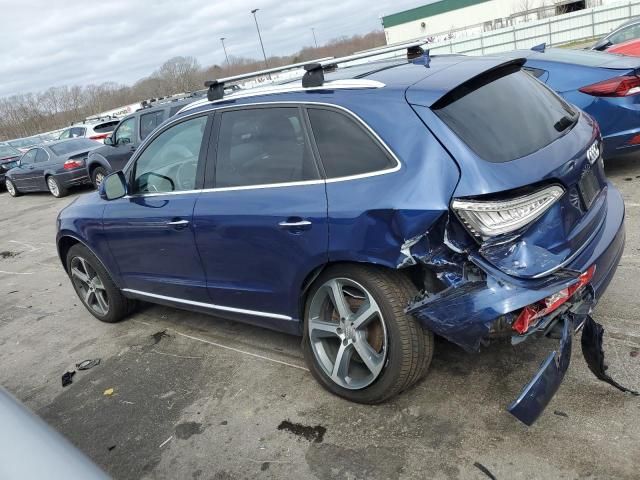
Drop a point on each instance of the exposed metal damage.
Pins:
(474, 303)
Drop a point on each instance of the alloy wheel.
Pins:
(99, 179)
(53, 186)
(10, 188)
(347, 333)
(90, 286)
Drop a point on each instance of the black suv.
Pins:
(130, 133)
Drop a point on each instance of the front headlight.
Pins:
(491, 218)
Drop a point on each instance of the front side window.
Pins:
(124, 133)
(77, 132)
(345, 147)
(170, 161)
(29, 157)
(41, 156)
(626, 34)
(263, 146)
(149, 121)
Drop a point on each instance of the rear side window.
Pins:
(345, 147)
(149, 121)
(41, 156)
(263, 146)
(505, 118)
(77, 132)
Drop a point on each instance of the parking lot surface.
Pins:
(203, 398)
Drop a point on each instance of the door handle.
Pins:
(298, 223)
(178, 223)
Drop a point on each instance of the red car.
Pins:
(631, 47)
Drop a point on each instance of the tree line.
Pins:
(22, 115)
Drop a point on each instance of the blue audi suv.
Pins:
(366, 209)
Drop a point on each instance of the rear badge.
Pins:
(593, 153)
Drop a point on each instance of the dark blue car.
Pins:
(606, 86)
(387, 203)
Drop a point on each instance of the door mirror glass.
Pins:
(113, 186)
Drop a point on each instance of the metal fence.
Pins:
(570, 27)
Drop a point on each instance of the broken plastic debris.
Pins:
(108, 392)
(67, 378)
(87, 364)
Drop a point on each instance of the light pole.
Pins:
(225, 50)
(259, 36)
(313, 30)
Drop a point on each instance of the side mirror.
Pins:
(114, 186)
(108, 140)
(601, 45)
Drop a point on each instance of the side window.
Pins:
(41, 156)
(345, 147)
(629, 33)
(29, 157)
(170, 161)
(77, 132)
(65, 134)
(263, 146)
(124, 133)
(149, 121)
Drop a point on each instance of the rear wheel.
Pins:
(55, 187)
(97, 176)
(358, 341)
(11, 188)
(94, 286)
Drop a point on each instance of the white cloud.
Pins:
(69, 42)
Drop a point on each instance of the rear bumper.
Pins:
(73, 177)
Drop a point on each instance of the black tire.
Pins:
(55, 187)
(118, 305)
(409, 347)
(11, 188)
(96, 174)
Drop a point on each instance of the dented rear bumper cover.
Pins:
(469, 311)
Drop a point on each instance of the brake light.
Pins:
(614, 87)
(72, 164)
(551, 303)
(100, 136)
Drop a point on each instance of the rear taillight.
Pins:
(614, 87)
(100, 136)
(551, 303)
(72, 164)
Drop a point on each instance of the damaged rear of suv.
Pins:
(367, 211)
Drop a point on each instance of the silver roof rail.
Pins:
(314, 69)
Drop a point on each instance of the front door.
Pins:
(263, 227)
(124, 144)
(150, 231)
(24, 176)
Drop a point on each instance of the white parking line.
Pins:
(16, 273)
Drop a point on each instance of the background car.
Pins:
(604, 85)
(632, 48)
(24, 144)
(128, 135)
(8, 159)
(629, 30)
(92, 129)
(54, 167)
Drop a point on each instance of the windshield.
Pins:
(508, 117)
(8, 151)
(64, 148)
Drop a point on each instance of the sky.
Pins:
(49, 43)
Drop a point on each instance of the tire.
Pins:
(55, 187)
(400, 350)
(94, 294)
(11, 188)
(97, 176)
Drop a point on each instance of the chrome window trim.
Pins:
(344, 84)
(209, 305)
(214, 108)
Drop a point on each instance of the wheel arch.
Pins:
(66, 241)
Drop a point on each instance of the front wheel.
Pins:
(55, 187)
(358, 341)
(11, 188)
(94, 286)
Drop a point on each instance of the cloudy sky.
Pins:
(64, 42)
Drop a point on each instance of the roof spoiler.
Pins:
(314, 69)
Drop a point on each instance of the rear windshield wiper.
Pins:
(565, 122)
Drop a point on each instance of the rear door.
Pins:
(263, 226)
(43, 161)
(151, 230)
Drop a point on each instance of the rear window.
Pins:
(105, 127)
(70, 146)
(505, 118)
